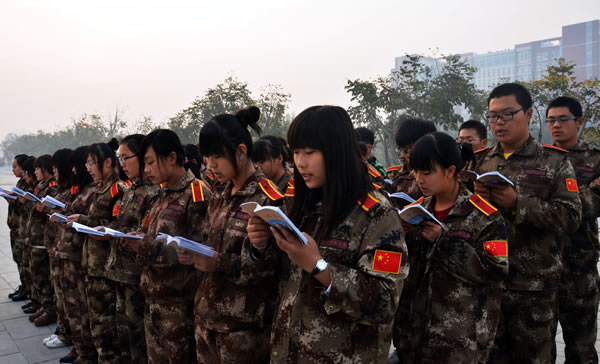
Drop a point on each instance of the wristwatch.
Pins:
(321, 266)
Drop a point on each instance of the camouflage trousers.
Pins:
(25, 271)
(63, 330)
(101, 299)
(72, 283)
(130, 323)
(578, 299)
(243, 346)
(39, 266)
(169, 332)
(15, 247)
(524, 332)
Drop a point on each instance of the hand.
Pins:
(483, 189)
(184, 256)
(406, 227)
(39, 207)
(503, 195)
(73, 218)
(97, 237)
(132, 244)
(204, 263)
(21, 199)
(431, 230)
(258, 232)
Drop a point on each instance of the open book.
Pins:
(416, 214)
(31, 197)
(52, 203)
(18, 191)
(187, 244)
(490, 177)
(56, 217)
(102, 231)
(80, 228)
(402, 196)
(6, 195)
(273, 216)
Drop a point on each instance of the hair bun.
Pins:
(113, 144)
(249, 116)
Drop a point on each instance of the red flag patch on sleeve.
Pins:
(387, 261)
(496, 248)
(572, 185)
(116, 208)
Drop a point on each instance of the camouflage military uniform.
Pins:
(121, 267)
(23, 234)
(234, 305)
(578, 290)
(169, 286)
(283, 182)
(72, 280)
(457, 306)
(353, 322)
(547, 207)
(15, 211)
(101, 291)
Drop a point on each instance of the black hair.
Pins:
(477, 125)
(365, 135)
(347, 178)
(62, 162)
(363, 149)
(134, 144)
(193, 159)
(103, 151)
(28, 167)
(270, 147)
(518, 91)
(411, 129)
(225, 132)
(21, 158)
(439, 149)
(78, 160)
(164, 142)
(44, 162)
(564, 101)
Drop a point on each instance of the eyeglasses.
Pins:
(89, 165)
(123, 159)
(505, 116)
(560, 119)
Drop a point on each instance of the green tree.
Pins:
(273, 103)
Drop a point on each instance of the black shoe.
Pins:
(69, 358)
(21, 296)
(18, 290)
(31, 309)
(27, 305)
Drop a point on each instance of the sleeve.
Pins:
(362, 293)
(561, 213)
(590, 199)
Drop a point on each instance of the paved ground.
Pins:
(20, 340)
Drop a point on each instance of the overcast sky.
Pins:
(60, 59)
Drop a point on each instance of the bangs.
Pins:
(423, 155)
(306, 131)
(212, 140)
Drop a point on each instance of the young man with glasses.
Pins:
(578, 288)
(542, 206)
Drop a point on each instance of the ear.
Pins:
(108, 163)
(241, 152)
(529, 114)
(450, 172)
(172, 158)
(579, 122)
(279, 159)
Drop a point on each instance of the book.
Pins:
(56, 217)
(31, 197)
(117, 234)
(52, 203)
(6, 195)
(80, 228)
(273, 216)
(416, 214)
(490, 177)
(402, 196)
(191, 245)
(18, 191)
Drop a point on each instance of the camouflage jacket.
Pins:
(406, 183)
(465, 268)
(70, 244)
(52, 228)
(15, 208)
(133, 215)
(283, 182)
(353, 322)
(548, 206)
(103, 210)
(177, 213)
(240, 293)
(583, 246)
(37, 220)
(23, 222)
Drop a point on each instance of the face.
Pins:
(153, 167)
(28, 178)
(129, 162)
(404, 154)
(470, 136)
(93, 168)
(511, 132)
(39, 174)
(310, 163)
(221, 168)
(434, 182)
(563, 132)
(17, 170)
(55, 173)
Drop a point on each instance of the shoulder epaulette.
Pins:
(394, 168)
(373, 172)
(290, 171)
(128, 183)
(290, 189)
(114, 189)
(162, 185)
(368, 202)
(52, 184)
(147, 220)
(482, 205)
(417, 202)
(481, 150)
(210, 176)
(377, 187)
(270, 190)
(197, 192)
(74, 189)
(555, 147)
(116, 208)
(35, 190)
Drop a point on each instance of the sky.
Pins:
(61, 59)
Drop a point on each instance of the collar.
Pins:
(581, 146)
(103, 187)
(183, 182)
(528, 149)
(249, 187)
(462, 206)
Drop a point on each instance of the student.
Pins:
(167, 285)
(133, 211)
(542, 206)
(31, 182)
(271, 154)
(101, 164)
(474, 133)
(193, 160)
(457, 305)
(340, 291)
(367, 137)
(578, 294)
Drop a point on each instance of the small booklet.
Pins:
(80, 228)
(388, 181)
(18, 191)
(52, 203)
(416, 214)
(273, 216)
(402, 196)
(490, 177)
(187, 244)
(6, 195)
(56, 217)
(31, 197)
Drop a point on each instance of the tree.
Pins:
(273, 103)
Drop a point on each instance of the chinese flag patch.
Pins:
(572, 185)
(387, 262)
(496, 248)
